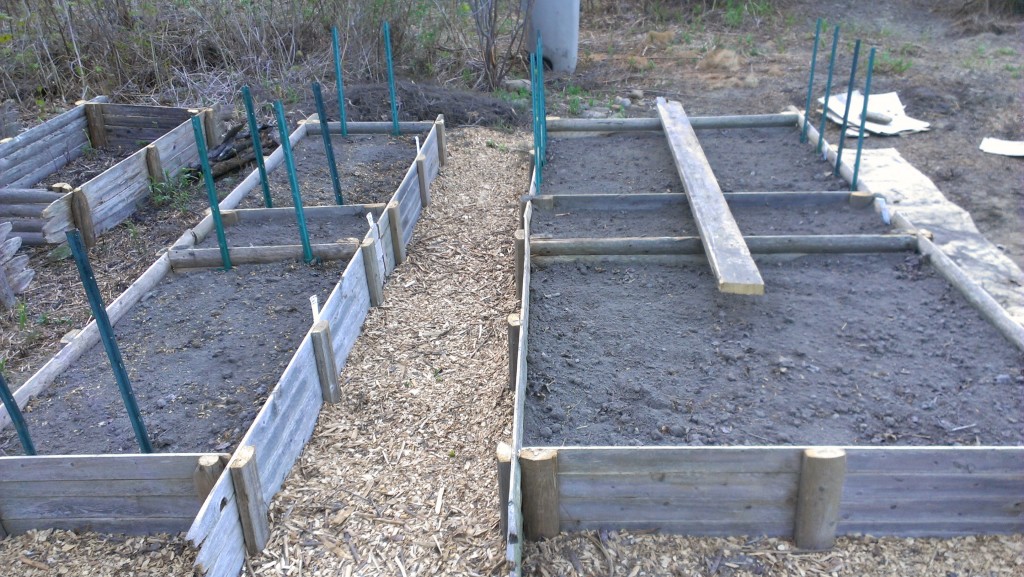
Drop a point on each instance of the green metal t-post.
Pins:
(99, 312)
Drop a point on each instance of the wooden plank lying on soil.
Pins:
(691, 245)
(658, 200)
(312, 213)
(727, 253)
(182, 258)
(655, 124)
(406, 127)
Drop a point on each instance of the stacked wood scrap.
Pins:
(236, 151)
(15, 275)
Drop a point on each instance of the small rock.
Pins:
(623, 102)
(514, 84)
(677, 431)
(1003, 379)
(636, 94)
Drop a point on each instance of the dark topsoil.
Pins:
(858, 349)
(202, 350)
(370, 168)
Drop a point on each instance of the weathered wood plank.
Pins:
(177, 148)
(97, 467)
(908, 527)
(966, 506)
(723, 242)
(596, 512)
(140, 506)
(934, 460)
(121, 525)
(222, 533)
(795, 244)
(628, 460)
(711, 527)
(113, 181)
(940, 486)
(661, 200)
(25, 167)
(167, 487)
(117, 112)
(312, 213)
(711, 486)
(213, 511)
(407, 127)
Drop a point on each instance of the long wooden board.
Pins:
(727, 252)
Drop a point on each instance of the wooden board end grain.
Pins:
(726, 250)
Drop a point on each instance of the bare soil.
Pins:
(202, 350)
(859, 349)
(952, 65)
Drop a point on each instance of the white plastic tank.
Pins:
(558, 22)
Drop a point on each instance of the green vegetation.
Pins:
(174, 191)
(888, 63)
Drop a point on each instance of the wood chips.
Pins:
(399, 478)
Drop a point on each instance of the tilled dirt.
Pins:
(202, 351)
(859, 349)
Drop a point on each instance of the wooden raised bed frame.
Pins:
(224, 515)
(163, 141)
(810, 493)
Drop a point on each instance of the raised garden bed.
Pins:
(157, 141)
(195, 369)
(862, 392)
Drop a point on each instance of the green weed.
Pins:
(174, 191)
(888, 63)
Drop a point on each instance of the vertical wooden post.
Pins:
(252, 511)
(208, 470)
(7, 298)
(371, 262)
(442, 141)
(95, 125)
(210, 127)
(395, 224)
(421, 175)
(520, 236)
(514, 324)
(327, 370)
(154, 164)
(504, 457)
(540, 492)
(821, 487)
(81, 214)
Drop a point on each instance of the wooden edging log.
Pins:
(252, 509)
(657, 200)
(726, 250)
(691, 245)
(184, 258)
(654, 124)
(514, 325)
(977, 296)
(28, 195)
(286, 214)
(370, 127)
(539, 486)
(503, 455)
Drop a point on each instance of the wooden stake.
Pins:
(327, 370)
(210, 127)
(395, 224)
(540, 492)
(421, 175)
(514, 324)
(371, 262)
(442, 141)
(821, 488)
(504, 458)
(860, 199)
(252, 511)
(95, 125)
(208, 471)
(7, 298)
(81, 215)
(520, 238)
(154, 165)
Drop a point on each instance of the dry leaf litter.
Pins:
(399, 478)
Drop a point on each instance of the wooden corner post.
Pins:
(504, 458)
(821, 487)
(421, 175)
(81, 215)
(539, 483)
(155, 164)
(208, 470)
(442, 141)
(520, 238)
(326, 367)
(395, 225)
(514, 325)
(372, 264)
(95, 124)
(252, 511)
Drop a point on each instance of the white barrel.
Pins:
(558, 22)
